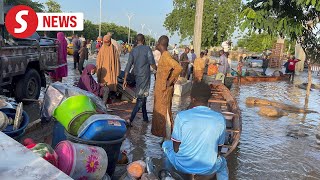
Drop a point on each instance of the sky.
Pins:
(152, 13)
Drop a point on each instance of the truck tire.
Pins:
(29, 86)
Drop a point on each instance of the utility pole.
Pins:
(131, 39)
(198, 27)
(100, 18)
(142, 28)
(129, 18)
(150, 31)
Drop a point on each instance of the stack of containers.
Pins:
(83, 125)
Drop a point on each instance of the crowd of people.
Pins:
(198, 67)
(142, 62)
(182, 147)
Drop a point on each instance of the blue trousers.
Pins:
(141, 103)
(220, 167)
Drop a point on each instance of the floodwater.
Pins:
(265, 150)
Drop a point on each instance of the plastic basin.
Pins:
(15, 134)
(73, 112)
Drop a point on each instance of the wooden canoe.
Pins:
(251, 79)
(221, 96)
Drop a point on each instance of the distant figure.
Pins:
(223, 63)
(229, 61)
(89, 46)
(62, 70)
(207, 59)
(167, 74)
(84, 54)
(141, 58)
(190, 68)
(197, 138)
(265, 64)
(98, 44)
(108, 67)
(226, 45)
(175, 52)
(239, 67)
(87, 83)
(198, 67)
(193, 55)
(82, 39)
(76, 47)
(292, 66)
(184, 62)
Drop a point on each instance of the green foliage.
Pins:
(53, 6)
(220, 18)
(256, 42)
(38, 7)
(91, 31)
(293, 19)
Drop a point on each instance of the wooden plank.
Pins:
(234, 131)
(217, 101)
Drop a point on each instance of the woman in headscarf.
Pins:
(108, 64)
(62, 70)
(87, 83)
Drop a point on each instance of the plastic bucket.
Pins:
(73, 112)
(112, 149)
(81, 161)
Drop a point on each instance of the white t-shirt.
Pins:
(225, 46)
(156, 55)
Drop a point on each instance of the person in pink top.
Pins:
(62, 70)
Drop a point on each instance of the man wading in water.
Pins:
(167, 74)
(141, 58)
(197, 138)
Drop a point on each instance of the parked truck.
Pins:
(24, 63)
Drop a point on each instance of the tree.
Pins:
(53, 6)
(220, 18)
(38, 7)
(256, 42)
(91, 31)
(294, 19)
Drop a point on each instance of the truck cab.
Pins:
(24, 62)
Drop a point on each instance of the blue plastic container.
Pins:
(9, 129)
(102, 127)
(58, 134)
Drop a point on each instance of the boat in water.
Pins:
(223, 101)
(252, 79)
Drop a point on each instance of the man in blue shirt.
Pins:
(141, 58)
(197, 138)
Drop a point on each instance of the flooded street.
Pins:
(265, 150)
